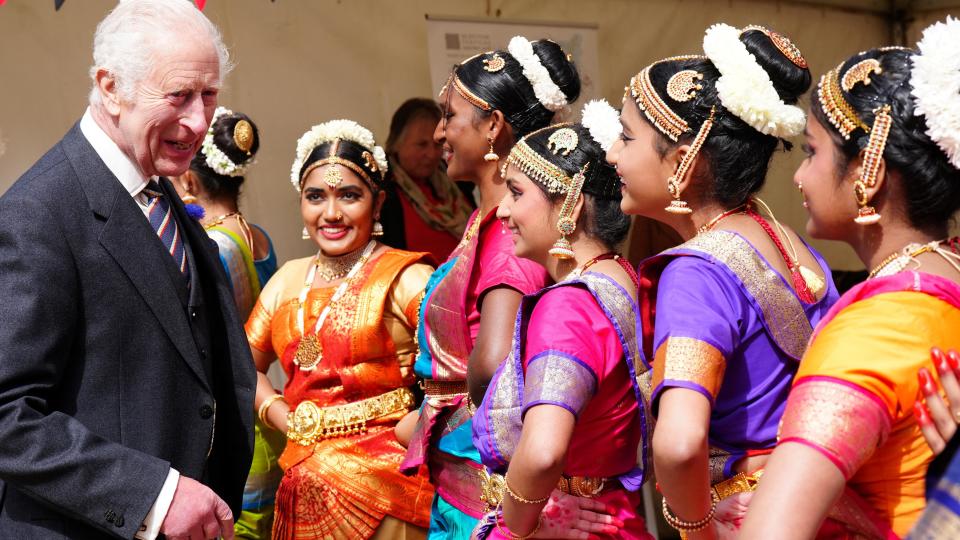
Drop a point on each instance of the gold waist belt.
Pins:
(738, 483)
(434, 388)
(309, 423)
(493, 486)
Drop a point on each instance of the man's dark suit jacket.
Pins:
(112, 367)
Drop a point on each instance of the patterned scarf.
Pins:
(450, 214)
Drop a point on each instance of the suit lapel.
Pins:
(206, 262)
(128, 237)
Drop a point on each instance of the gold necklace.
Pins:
(720, 217)
(898, 260)
(241, 222)
(334, 268)
(309, 351)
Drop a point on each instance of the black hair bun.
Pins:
(790, 76)
(562, 70)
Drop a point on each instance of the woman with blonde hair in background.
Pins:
(425, 209)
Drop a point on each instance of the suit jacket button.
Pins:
(119, 521)
(193, 314)
(206, 412)
(110, 516)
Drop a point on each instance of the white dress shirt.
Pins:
(133, 180)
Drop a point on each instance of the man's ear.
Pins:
(109, 91)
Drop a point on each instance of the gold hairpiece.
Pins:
(860, 73)
(654, 108)
(494, 63)
(667, 121)
(243, 135)
(783, 43)
(683, 85)
(538, 168)
(563, 141)
(835, 106)
(466, 94)
(338, 161)
(371, 163)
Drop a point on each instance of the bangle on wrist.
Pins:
(498, 516)
(688, 526)
(519, 498)
(265, 406)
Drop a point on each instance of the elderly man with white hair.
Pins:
(126, 382)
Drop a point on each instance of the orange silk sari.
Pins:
(343, 487)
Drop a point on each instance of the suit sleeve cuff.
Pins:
(150, 528)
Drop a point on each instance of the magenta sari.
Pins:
(575, 347)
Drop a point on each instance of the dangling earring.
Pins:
(562, 249)
(305, 235)
(490, 155)
(189, 198)
(377, 229)
(867, 215)
(677, 205)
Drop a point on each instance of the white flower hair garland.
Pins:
(935, 78)
(548, 93)
(215, 158)
(345, 130)
(745, 89)
(603, 122)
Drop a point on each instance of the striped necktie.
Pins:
(161, 218)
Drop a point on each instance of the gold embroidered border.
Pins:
(938, 521)
(844, 422)
(717, 461)
(781, 309)
(690, 360)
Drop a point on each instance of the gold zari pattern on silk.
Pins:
(691, 360)
(783, 314)
(844, 423)
(938, 520)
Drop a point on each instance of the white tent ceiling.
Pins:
(894, 7)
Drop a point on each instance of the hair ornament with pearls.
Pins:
(745, 88)
(548, 93)
(603, 123)
(935, 78)
(333, 130)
